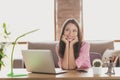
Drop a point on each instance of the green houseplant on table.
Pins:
(97, 65)
(2, 55)
(4, 35)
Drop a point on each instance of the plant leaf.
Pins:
(1, 63)
(2, 54)
(5, 30)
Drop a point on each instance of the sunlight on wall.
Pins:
(25, 15)
(101, 19)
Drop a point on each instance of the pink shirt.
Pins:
(83, 61)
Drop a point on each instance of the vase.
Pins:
(97, 70)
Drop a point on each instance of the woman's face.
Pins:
(70, 32)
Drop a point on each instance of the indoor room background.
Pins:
(99, 20)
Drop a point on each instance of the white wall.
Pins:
(25, 15)
(22, 16)
(101, 19)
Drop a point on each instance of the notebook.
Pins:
(40, 61)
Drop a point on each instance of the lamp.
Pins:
(11, 74)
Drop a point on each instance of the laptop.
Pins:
(40, 61)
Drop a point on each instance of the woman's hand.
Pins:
(64, 39)
(75, 40)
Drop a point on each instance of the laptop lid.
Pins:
(39, 61)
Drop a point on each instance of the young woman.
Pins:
(72, 51)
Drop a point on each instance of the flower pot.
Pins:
(97, 70)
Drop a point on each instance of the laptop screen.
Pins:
(38, 61)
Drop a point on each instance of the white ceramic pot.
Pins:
(97, 70)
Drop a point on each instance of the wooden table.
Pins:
(70, 75)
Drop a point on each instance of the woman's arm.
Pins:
(83, 61)
(71, 63)
(64, 62)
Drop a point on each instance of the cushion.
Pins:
(94, 55)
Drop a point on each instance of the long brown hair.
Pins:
(77, 45)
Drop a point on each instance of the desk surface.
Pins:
(70, 75)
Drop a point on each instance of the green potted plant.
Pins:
(97, 65)
(4, 35)
(2, 55)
